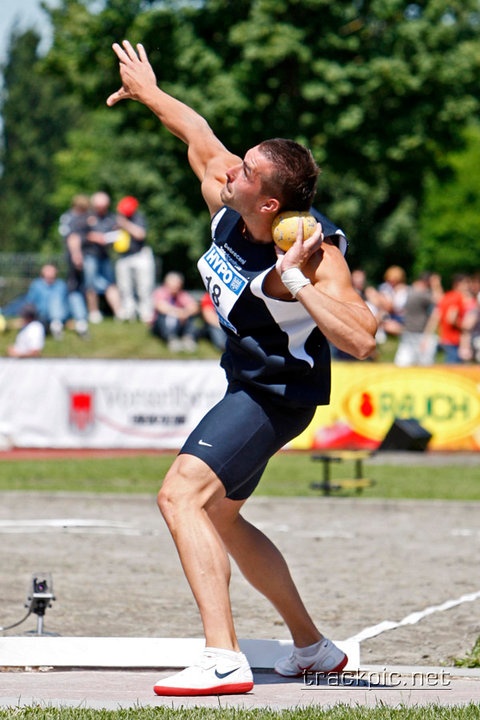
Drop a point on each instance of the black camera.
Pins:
(40, 586)
(41, 593)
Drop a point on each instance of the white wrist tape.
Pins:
(294, 280)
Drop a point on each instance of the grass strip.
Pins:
(338, 712)
(287, 475)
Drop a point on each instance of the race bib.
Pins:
(222, 281)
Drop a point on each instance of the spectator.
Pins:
(374, 302)
(448, 316)
(70, 219)
(213, 328)
(174, 313)
(393, 295)
(417, 347)
(89, 248)
(78, 209)
(77, 213)
(30, 339)
(135, 266)
(55, 304)
(49, 296)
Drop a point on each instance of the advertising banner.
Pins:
(69, 403)
(368, 397)
(105, 403)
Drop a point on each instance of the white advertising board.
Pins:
(69, 403)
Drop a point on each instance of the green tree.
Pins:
(449, 220)
(379, 89)
(35, 114)
(125, 150)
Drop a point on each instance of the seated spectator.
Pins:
(213, 329)
(174, 313)
(135, 266)
(55, 304)
(30, 339)
(48, 294)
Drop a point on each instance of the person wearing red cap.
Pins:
(135, 266)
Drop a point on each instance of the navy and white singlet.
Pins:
(272, 345)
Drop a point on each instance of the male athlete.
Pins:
(279, 310)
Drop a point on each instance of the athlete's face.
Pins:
(243, 188)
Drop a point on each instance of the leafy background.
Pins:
(385, 92)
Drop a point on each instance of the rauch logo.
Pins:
(446, 404)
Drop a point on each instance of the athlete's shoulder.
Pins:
(331, 230)
(223, 221)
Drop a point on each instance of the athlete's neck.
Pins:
(257, 236)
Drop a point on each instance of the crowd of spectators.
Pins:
(111, 267)
(430, 322)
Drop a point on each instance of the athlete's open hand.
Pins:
(135, 71)
(301, 251)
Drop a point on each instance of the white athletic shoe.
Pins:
(322, 657)
(95, 317)
(218, 672)
(56, 328)
(175, 345)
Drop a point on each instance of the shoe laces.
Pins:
(206, 660)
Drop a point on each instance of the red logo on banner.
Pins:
(366, 406)
(81, 415)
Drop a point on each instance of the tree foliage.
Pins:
(449, 220)
(35, 115)
(379, 89)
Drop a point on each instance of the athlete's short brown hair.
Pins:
(294, 181)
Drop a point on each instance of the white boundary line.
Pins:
(411, 619)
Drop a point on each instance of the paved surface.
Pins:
(122, 689)
(358, 562)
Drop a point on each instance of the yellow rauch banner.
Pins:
(367, 398)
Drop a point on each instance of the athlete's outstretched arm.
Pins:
(207, 156)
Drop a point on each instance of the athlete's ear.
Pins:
(270, 205)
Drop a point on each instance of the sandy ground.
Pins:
(357, 562)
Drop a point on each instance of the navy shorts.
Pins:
(239, 435)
